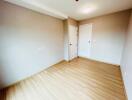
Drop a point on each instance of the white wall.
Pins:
(126, 65)
(108, 36)
(29, 43)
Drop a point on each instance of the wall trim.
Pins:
(33, 74)
(99, 61)
(36, 6)
(123, 83)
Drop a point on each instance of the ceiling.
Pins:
(78, 10)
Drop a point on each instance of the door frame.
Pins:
(69, 54)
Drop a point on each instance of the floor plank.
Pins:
(81, 79)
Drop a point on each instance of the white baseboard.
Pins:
(100, 61)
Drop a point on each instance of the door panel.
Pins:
(72, 42)
(85, 38)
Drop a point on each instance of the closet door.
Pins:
(72, 42)
(85, 40)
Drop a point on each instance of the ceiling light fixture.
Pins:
(76, 0)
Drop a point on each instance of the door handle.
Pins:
(89, 41)
(70, 44)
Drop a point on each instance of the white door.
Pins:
(85, 38)
(72, 42)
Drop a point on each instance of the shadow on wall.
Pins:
(8, 73)
(29, 43)
(1, 76)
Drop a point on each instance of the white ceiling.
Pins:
(77, 10)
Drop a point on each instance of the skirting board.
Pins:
(32, 75)
(124, 85)
(99, 61)
(114, 65)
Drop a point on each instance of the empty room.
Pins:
(65, 49)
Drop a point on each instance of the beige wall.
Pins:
(126, 64)
(29, 42)
(108, 36)
(66, 41)
(72, 22)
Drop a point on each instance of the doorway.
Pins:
(73, 41)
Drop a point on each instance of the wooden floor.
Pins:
(80, 79)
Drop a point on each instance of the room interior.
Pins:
(65, 50)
